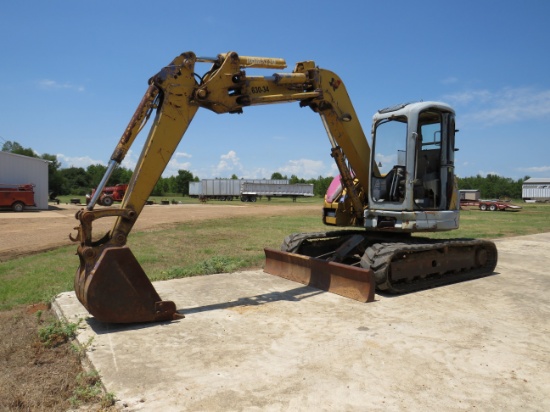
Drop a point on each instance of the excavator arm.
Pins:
(109, 281)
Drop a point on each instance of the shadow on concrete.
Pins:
(101, 328)
(293, 295)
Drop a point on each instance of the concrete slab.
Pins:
(254, 342)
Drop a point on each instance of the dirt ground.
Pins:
(38, 378)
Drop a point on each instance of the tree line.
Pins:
(493, 186)
(79, 181)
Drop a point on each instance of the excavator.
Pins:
(401, 184)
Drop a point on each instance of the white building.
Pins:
(536, 190)
(17, 169)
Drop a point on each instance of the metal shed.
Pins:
(17, 169)
(469, 194)
(536, 190)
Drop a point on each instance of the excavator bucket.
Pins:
(348, 281)
(117, 290)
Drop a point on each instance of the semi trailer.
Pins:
(247, 190)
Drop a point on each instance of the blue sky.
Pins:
(73, 72)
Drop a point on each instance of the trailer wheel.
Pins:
(492, 208)
(107, 201)
(18, 206)
(483, 206)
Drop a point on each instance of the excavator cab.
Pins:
(412, 185)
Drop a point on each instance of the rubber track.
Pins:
(379, 256)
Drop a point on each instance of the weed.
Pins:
(80, 350)
(108, 399)
(89, 388)
(57, 332)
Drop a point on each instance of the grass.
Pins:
(36, 278)
(224, 245)
(188, 249)
(533, 218)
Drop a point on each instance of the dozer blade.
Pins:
(348, 281)
(117, 290)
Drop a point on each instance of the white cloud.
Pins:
(502, 106)
(468, 96)
(535, 169)
(304, 168)
(47, 84)
(173, 166)
(229, 164)
(182, 154)
(78, 161)
(129, 162)
(386, 159)
(258, 173)
(333, 171)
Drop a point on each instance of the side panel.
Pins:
(9, 197)
(539, 192)
(267, 189)
(195, 188)
(429, 221)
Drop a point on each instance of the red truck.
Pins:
(111, 194)
(17, 197)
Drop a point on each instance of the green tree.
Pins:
(493, 186)
(295, 179)
(75, 181)
(161, 188)
(182, 181)
(171, 184)
(320, 185)
(95, 174)
(55, 180)
(16, 148)
(277, 176)
(120, 175)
